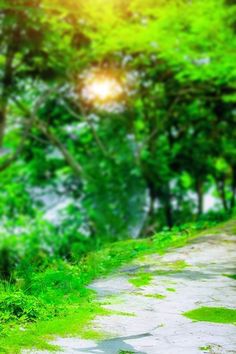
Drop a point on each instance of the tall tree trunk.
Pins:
(168, 207)
(221, 190)
(233, 187)
(200, 197)
(2, 123)
(149, 223)
(169, 214)
(6, 87)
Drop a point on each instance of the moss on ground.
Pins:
(144, 278)
(213, 314)
(141, 279)
(206, 348)
(123, 313)
(172, 290)
(177, 265)
(156, 296)
(111, 300)
(232, 276)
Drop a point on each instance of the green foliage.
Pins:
(108, 173)
(73, 321)
(140, 165)
(35, 245)
(18, 306)
(14, 197)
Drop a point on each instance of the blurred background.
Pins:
(117, 119)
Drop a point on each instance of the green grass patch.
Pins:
(177, 265)
(141, 279)
(205, 348)
(111, 300)
(172, 290)
(156, 296)
(213, 314)
(232, 276)
(170, 268)
(75, 321)
(123, 313)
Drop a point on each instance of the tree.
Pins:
(134, 168)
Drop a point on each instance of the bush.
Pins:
(27, 245)
(8, 260)
(216, 216)
(18, 306)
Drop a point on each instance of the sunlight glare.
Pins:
(102, 89)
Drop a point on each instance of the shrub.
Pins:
(18, 306)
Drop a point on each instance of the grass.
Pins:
(177, 265)
(172, 290)
(141, 279)
(74, 322)
(205, 348)
(213, 314)
(232, 276)
(61, 289)
(156, 296)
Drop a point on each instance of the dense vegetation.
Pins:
(78, 172)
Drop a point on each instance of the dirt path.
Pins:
(152, 322)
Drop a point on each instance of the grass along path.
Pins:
(64, 287)
(179, 303)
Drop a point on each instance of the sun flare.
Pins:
(102, 88)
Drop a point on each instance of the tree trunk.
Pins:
(200, 198)
(233, 188)
(6, 86)
(221, 189)
(2, 123)
(169, 214)
(168, 207)
(149, 223)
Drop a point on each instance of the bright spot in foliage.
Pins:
(104, 89)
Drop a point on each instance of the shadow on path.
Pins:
(115, 345)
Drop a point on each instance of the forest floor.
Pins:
(182, 302)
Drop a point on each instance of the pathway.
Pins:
(152, 321)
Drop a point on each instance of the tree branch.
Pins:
(45, 129)
(75, 166)
(85, 118)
